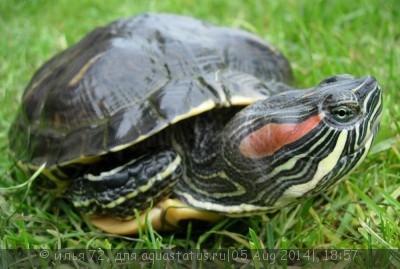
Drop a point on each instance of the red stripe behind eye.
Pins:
(273, 136)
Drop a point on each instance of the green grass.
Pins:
(320, 38)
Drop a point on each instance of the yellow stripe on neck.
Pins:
(325, 166)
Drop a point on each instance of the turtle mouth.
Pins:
(370, 136)
(373, 118)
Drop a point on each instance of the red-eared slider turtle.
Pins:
(194, 119)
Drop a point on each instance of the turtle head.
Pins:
(297, 144)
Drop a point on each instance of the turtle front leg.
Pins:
(110, 197)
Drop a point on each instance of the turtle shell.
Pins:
(133, 78)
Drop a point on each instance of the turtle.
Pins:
(173, 119)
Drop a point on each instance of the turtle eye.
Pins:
(343, 113)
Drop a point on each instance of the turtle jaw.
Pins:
(165, 216)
